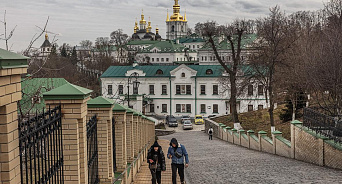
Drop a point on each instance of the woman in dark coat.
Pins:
(156, 160)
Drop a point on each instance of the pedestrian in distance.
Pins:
(178, 154)
(156, 160)
(210, 132)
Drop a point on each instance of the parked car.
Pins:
(187, 125)
(171, 121)
(199, 120)
(185, 118)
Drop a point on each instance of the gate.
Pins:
(114, 145)
(92, 152)
(41, 148)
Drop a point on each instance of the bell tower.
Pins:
(176, 24)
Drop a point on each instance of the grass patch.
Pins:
(259, 120)
(160, 126)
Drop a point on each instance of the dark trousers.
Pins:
(210, 137)
(156, 176)
(180, 168)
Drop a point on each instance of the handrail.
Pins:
(119, 178)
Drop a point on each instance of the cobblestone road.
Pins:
(216, 162)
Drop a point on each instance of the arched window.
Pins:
(159, 72)
(173, 29)
(209, 72)
(183, 74)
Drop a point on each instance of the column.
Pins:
(129, 136)
(73, 100)
(120, 137)
(103, 108)
(10, 93)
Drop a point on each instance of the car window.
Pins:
(187, 122)
(198, 117)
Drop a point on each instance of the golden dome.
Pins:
(46, 37)
(176, 13)
(142, 21)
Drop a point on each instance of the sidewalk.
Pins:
(144, 176)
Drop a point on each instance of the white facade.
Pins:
(165, 57)
(179, 94)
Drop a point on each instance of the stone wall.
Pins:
(160, 132)
(305, 145)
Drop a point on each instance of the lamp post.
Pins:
(135, 83)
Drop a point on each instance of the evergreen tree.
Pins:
(74, 56)
(64, 52)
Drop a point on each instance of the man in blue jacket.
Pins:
(177, 153)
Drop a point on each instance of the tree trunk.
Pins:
(271, 94)
(233, 100)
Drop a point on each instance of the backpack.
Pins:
(210, 131)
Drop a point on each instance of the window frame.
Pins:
(203, 110)
(215, 110)
(110, 89)
(215, 91)
(203, 89)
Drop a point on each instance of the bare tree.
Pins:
(234, 34)
(277, 34)
(6, 37)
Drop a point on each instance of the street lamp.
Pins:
(135, 83)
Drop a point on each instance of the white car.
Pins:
(187, 125)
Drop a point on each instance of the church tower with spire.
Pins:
(176, 24)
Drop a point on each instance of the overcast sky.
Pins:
(76, 20)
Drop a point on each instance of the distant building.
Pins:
(167, 53)
(145, 30)
(176, 24)
(178, 90)
(206, 55)
(45, 48)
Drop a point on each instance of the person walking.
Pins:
(156, 160)
(177, 153)
(210, 132)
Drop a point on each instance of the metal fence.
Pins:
(92, 152)
(41, 148)
(322, 124)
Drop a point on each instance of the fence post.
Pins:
(73, 100)
(103, 107)
(274, 134)
(249, 133)
(11, 67)
(129, 135)
(293, 137)
(119, 113)
(260, 134)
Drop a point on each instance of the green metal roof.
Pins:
(99, 102)
(166, 47)
(67, 92)
(190, 39)
(151, 71)
(118, 107)
(12, 60)
(37, 86)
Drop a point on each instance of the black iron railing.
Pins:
(41, 148)
(114, 145)
(92, 152)
(322, 124)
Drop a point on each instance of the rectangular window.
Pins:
(205, 58)
(152, 59)
(157, 59)
(151, 107)
(250, 108)
(183, 108)
(178, 89)
(110, 89)
(260, 90)
(164, 90)
(164, 108)
(215, 108)
(260, 107)
(151, 89)
(162, 59)
(202, 108)
(197, 46)
(188, 89)
(215, 89)
(120, 89)
(211, 58)
(202, 89)
(167, 59)
(202, 58)
(250, 90)
(188, 108)
(178, 107)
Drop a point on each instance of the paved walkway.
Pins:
(144, 176)
(216, 162)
